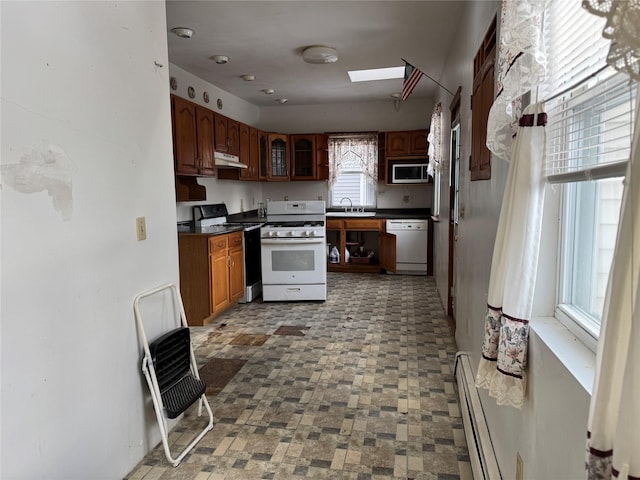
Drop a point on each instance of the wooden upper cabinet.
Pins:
(303, 157)
(278, 165)
(204, 129)
(481, 101)
(263, 155)
(227, 135)
(406, 143)
(233, 136)
(244, 141)
(192, 138)
(250, 173)
(185, 148)
(221, 134)
(322, 157)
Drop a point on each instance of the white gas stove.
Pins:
(294, 264)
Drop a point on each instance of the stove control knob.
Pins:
(270, 234)
(277, 234)
(290, 233)
(310, 233)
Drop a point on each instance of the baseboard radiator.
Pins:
(481, 453)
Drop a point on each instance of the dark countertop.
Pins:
(391, 213)
(187, 227)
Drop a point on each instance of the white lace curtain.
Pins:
(514, 266)
(521, 66)
(347, 151)
(613, 442)
(435, 140)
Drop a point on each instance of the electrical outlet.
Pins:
(406, 198)
(320, 197)
(286, 198)
(519, 467)
(141, 228)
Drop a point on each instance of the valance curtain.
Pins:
(435, 141)
(502, 368)
(623, 29)
(521, 66)
(361, 150)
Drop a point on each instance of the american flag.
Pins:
(412, 76)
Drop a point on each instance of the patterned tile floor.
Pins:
(366, 393)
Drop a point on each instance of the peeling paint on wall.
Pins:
(50, 170)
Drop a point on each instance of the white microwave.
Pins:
(409, 173)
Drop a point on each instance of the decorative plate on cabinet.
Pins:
(174, 83)
(219, 103)
(205, 97)
(192, 92)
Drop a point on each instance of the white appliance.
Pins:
(409, 173)
(412, 237)
(294, 258)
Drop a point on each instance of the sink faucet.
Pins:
(350, 203)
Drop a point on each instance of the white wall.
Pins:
(549, 432)
(86, 148)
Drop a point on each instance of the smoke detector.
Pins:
(319, 54)
(183, 32)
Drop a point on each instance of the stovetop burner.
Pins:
(309, 223)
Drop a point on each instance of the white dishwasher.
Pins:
(412, 237)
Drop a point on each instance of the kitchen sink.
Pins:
(351, 214)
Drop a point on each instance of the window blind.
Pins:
(592, 106)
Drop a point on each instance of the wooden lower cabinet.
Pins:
(348, 233)
(211, 274)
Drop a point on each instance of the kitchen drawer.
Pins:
(334, 224)
(218, 243)
(235, 240)
(364, 224)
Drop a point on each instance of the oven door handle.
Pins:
(292, 241)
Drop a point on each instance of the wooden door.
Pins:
(245, 143)
(388, 251)
(252, 172)
(263, 155)
(205, 128)
(221, 142)
(233, 136)
(397, 144)
(219, 281)
(236, 274)
(322, 157)
(419, 143)
(303, 157)
(278, 157)
(184, 136)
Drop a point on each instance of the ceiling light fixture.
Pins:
(269, 91)
(220, 59)
(183, 32)
(282, 100)
(248, 78)
(387, 73)
(396, 95)
(320, 54)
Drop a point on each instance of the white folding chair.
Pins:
(169, 366)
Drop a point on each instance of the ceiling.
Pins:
(266, 39)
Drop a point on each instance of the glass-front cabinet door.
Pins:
(279, 159)
(303, 162)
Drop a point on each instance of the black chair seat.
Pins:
(182, 395)
(171, 357)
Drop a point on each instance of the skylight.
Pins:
(376, 74)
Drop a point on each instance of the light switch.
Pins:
(141, 228)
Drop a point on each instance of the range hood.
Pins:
(224, 160)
